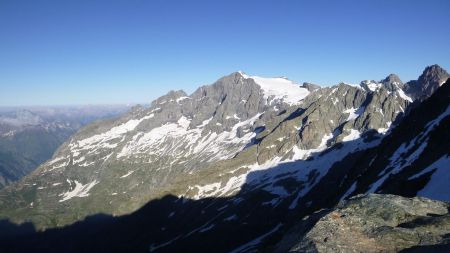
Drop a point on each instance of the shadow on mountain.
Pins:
(269, 203)
(254, 218)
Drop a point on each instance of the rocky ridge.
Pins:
(431, 79)
(222, 151)
(148, 149)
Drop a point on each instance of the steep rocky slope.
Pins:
(414, 159)
(242, 158)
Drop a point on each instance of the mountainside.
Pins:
(237, 163)
(29, 136)
(414, 159)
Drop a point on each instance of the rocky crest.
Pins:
(392, 82)
(431, 79)
(373, 223)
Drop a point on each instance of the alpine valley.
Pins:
(30, 135)
(249, 164)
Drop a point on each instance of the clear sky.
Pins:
(97, 52)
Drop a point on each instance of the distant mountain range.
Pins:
(30, 135)
(248, 164)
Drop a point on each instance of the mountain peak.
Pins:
(432, 77)
(171, 96)
(391, 78)
(434, 73)
(392, 82)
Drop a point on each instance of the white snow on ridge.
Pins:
(177, 140)
(402, 94)
(206, 228)
(181, 99)
(354, 113)
(353, 85)
(207, 190)
(103, 140)
(398, 159)
(79, 190)
(349, 191)
(60, 165)
(280, 88)
(353, 135)
(438, 186)
(385, 130)
(126, 175)
(8, 134)
(371, 85)
(297, 166)
(55, 160)
(300, 154)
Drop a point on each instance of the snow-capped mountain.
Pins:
(242, 159)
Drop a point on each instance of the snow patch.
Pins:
(349, 191)
(300, 154)
(206, 228)
(385, 130)
(280, 88)
(371, 85)
(353, 135)
(79, 190)
(230, 218)
(126, 175)
(438, 187)
(181, 99)
(354, 113)
(103, 140)
(176, 139)
(402, 94)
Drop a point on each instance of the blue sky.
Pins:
(106, 52)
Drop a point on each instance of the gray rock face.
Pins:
(413, 159)
(373, 223)
(310, 86)
(392, 82)
(432, 77)
(206, 144)
(333, 115)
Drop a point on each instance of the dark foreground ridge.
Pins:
(368, 223)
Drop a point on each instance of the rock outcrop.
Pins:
(373, 223)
